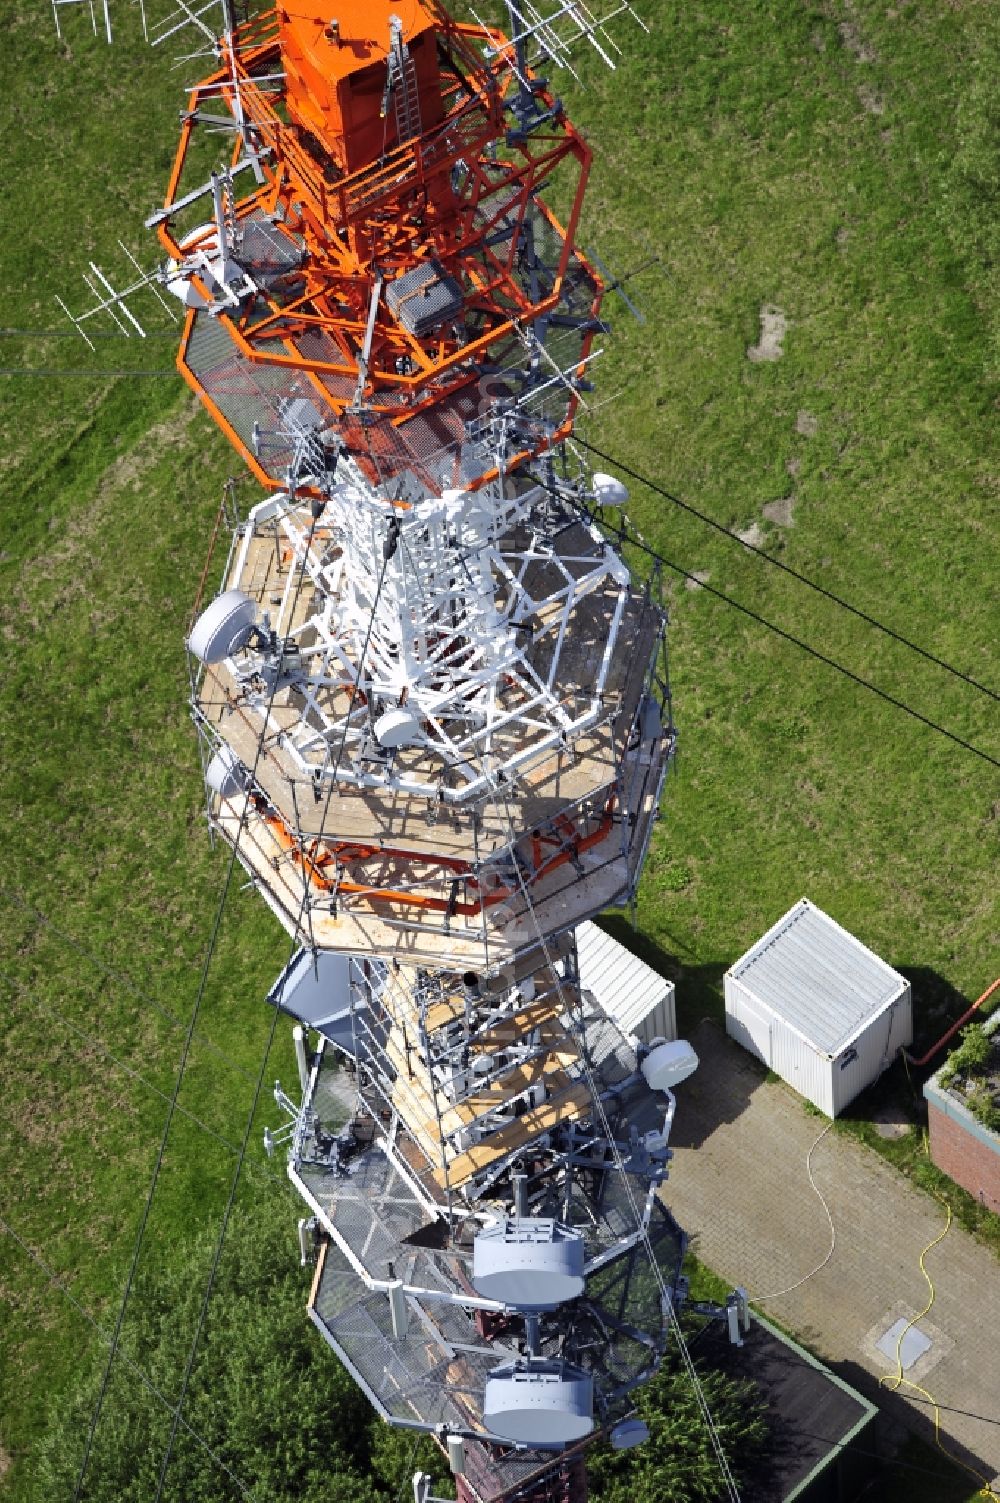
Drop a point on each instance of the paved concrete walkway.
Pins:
(739, 1187)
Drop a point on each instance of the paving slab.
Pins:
(739, 1186)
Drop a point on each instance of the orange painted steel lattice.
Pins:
(403, 212)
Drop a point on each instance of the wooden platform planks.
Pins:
(522, 1022)
(439, 1014)
(548, 1067)
(564, 1107)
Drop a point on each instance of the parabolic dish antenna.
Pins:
(223, 627)
(668, 1064)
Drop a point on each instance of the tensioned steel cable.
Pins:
(389, 549)
(623, 536)
(147, 1383)
(777, 563)
(666, 1297)
(133, 1367)
(217, 1255)
(202, 985)
(119, 977)
(98, 1044)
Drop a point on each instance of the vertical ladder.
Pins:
(401, 84)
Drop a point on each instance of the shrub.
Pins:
(266, 1394)
(677, 1463)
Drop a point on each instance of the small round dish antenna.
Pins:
(226, 774)
(397, 728)
(668, 1064)
(629, 1433)
(223, 627)
(608, 491)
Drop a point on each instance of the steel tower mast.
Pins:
(434, 711)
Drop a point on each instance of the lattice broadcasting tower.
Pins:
(435, 712)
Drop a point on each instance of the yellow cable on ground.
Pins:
(896, 1380)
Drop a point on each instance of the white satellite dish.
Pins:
(226, 775)
(223, 627)
(668, 1064)
(608, 491)
(181, 282)
(396, 728)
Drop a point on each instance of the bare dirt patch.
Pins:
(854, 43)
(871, 100)
(6, 1461)
(753, 535)
(806, 423)
(697, 579)
(773, 327)
(781, 513)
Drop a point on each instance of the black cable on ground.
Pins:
(217, 1256)
(388, 551)
(202, 985)
(133, 1367)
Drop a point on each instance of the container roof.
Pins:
(625, 987)
(818, 978)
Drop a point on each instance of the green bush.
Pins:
(983, 1106)
(276, 1407)
(266, 1394)
(972, 1055)
(677, 1464)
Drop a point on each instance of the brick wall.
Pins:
(961, 1152)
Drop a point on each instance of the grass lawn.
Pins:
(773, 156)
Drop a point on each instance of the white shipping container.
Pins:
(634, 996)
(818, 1007)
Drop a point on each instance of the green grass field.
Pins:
(789, 156)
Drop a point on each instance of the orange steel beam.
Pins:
(376, 202)
(312, 861)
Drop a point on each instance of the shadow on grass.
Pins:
(896, 1098)
(936, 1006)
(699, 987)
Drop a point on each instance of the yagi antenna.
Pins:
(192, 14)
(180, 15)
(617, 284)
(551, 32)
(57, 6)
(114, 301)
